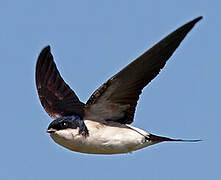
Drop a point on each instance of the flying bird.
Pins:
(102, 125)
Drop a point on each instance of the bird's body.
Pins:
(111, 138)
(101, 126)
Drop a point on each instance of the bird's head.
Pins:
(67, 127)
(68, 130)
(63, 123)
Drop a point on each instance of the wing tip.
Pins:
(189, 25)
(46, 49)
(194, 21)
(198, 18)
(45, 52)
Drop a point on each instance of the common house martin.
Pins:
(102, 125)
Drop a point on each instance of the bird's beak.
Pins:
(51, 130)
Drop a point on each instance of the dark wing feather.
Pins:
(119, 95)
(55, 95)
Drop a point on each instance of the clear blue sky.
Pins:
(91, 41)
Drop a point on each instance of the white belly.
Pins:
(102, 139)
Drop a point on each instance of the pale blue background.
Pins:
(92, 40)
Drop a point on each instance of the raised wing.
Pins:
(55, 95)
(116, 99)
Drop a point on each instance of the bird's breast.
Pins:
(103, 139)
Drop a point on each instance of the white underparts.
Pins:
(113, 138)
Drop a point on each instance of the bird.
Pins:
(102, 125)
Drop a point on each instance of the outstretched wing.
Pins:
(55, 95)
(116, 99)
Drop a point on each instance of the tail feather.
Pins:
(158, 139)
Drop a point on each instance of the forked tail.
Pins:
(158, 139)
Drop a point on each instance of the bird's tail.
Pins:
(157, 139)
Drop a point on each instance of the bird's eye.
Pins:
(64, 125)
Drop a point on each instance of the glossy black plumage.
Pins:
(127, 85)
(55, 95)
(116, 99)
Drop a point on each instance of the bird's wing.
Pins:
(116, 99)
(55, 95)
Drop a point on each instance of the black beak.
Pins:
(51, 127)
(51, 130)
